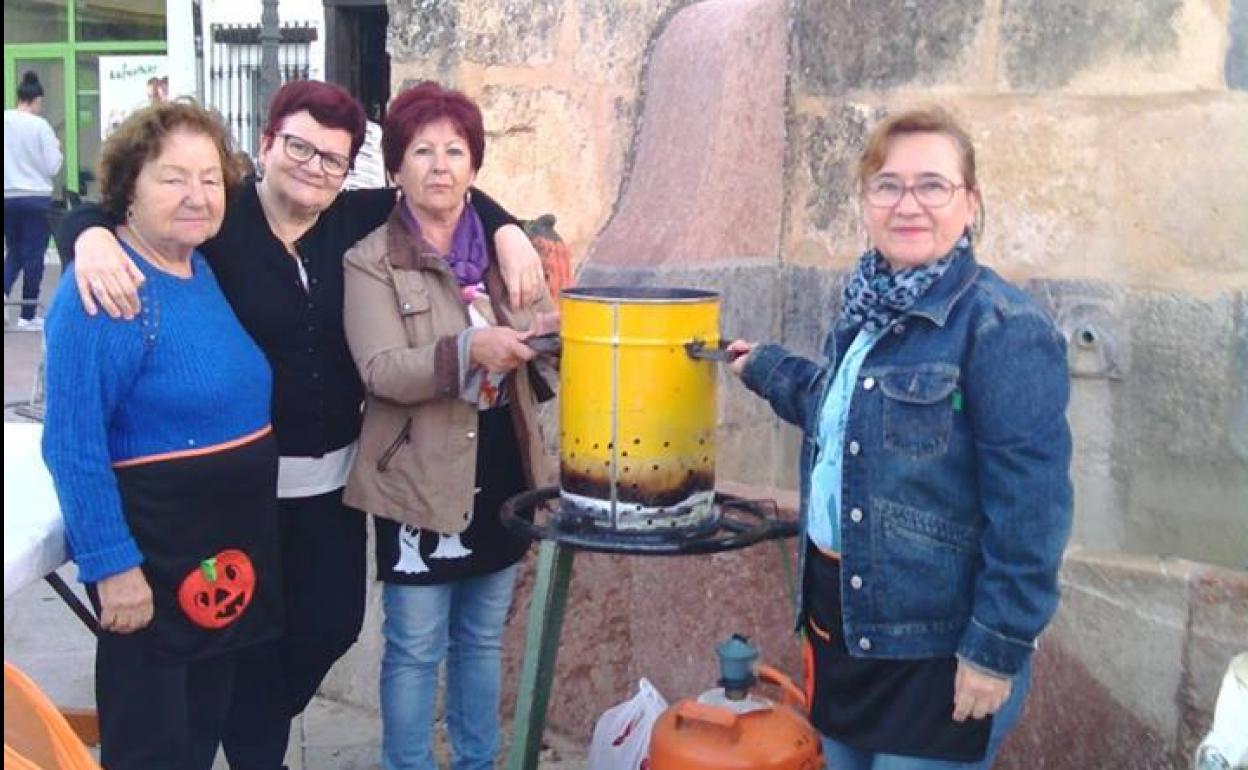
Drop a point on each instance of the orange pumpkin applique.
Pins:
(217, 592)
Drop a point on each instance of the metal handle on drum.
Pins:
(698, 349)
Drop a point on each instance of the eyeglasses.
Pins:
(302, 151)
(931, 191)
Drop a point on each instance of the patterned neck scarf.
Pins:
(876, 296)
(468, 258)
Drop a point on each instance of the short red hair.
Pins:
(328, 104)
(421, 105)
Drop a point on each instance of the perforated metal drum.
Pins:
(637, 412)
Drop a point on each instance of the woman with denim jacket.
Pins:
(936, 496)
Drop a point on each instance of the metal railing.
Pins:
(233, 86)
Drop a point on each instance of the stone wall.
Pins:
(558, 82)
(1127, 674)
(713, 144)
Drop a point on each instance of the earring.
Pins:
(468, 197)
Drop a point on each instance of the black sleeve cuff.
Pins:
(493, 216)
(78, 220)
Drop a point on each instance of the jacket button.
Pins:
(407, 307)
(855, 515)
(864, 644)
(899, 328)
(868, 383)
(472, 434)
(855, 582)
(854, 448)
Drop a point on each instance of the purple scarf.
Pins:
(468, 258)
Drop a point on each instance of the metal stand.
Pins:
(73, 602)
(541, 647)
(741, 523)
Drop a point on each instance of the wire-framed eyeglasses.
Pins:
(930, 191)
(301, 151)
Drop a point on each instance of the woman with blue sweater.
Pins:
(159, 442)
(935, 478)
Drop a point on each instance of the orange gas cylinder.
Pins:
(729, 728)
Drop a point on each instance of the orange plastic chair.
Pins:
(36, 735)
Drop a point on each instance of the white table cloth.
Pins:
(34, 535)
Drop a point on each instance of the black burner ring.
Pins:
(738, 523)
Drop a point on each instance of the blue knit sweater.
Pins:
(186, 376)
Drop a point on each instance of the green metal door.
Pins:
(57, 75)
(62, 41)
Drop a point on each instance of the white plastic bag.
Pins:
(1226, 745)
(622, 736)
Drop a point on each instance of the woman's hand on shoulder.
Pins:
(500, 349)
(125, 602)
(520, 265)
(105, 273)
(977, 693)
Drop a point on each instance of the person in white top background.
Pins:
(32, 156)
(369, 171)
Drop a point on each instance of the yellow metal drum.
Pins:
(637, 413)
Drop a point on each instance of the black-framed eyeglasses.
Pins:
(301, 151)
(931, 191)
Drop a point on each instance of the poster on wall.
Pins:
(128, 83)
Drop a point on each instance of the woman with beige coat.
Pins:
(449, 431)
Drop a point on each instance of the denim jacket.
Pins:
(956, 496)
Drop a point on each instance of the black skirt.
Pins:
(880, 706)
(207, 528)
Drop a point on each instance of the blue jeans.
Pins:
(463, 623)
(26, 233)
(838, 756)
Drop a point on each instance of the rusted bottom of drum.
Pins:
(643, 492)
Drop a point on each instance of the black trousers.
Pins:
(324, 574)
(26, 233)
(156, 716)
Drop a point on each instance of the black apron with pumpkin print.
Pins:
(207, 528)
